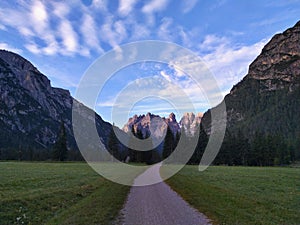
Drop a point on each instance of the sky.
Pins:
(64, 38)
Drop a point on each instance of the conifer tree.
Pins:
(60, 149)
(169, 143)
(113, 145)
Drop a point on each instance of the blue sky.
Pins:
(63, 38)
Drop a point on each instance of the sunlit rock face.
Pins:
(152, 124)
(156, 125)
(190, 122)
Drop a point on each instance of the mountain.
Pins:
(190, 122)
(267, 100)
(31, 111)
(152, 124)
(157, 125)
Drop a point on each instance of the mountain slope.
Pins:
(267, 100)
(31, 110)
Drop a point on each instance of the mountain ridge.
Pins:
(157, 125)
(32, 110)
(266, 101)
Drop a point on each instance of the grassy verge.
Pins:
(57, 193)
(242, 195)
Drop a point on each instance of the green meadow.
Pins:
(242, 195)
(57, 193)
(72, 193)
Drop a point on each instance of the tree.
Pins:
(113, 144)
(139, 154)
(148, 155)
(201, 145)
(131, 151)
(169, 144)
(60, 149)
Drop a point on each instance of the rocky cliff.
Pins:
(190, 122)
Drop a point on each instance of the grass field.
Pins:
(242, 195)
(57, 193)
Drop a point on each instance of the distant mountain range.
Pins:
(157, 125)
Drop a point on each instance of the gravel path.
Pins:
(158, 204)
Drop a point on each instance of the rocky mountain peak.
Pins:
(172, 117)
(152, 124)
(190, 122)
(16, 61)
(278, 65)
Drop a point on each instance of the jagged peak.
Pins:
(278, 60)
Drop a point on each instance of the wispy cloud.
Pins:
(228, 61)
(68, 36)
(89, 33)
(39, 17)
(113, 32)
(155, 6)
(150, 8)
(217, 4)
(164, 30)
(60, 9)
(100, 5)
(126, 6)
(6, 46)
(2, 27)
(188, 5)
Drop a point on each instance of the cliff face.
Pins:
(190, 122)
(267, 99)
(30, 109)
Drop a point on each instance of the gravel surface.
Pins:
(157, 204)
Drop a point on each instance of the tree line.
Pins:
(58, 152)
(237, 149)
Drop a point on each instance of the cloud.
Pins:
(188, 5)
(68, 35)
(155, 6)
(113, 32)
(228, 61)
(89, 33)
(39, 17)
(6, 46)
(60, 9)
(2, 27)
(33, 48)
(164, 75)
(164, 30)
(218, 4)
(100, 5)
(126, 6)
(139, 32)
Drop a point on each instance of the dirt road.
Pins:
(158, 204)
